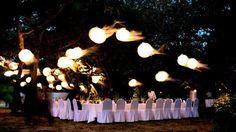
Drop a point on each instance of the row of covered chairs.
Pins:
(163, 110)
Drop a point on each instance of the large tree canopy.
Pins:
(191, 27)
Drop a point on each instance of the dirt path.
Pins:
(15, 123)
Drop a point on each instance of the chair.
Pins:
(176, 113)
(106, 115)
(79, 115)
(158, 111)
(167, 109)
(187, 111)
(70, 111)
(119, 114)
(195, 108)
(132, 114)
(55, 108)
(147, 113)
(63, 112)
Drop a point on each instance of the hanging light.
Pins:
(8, 73)
(26, 56)
(22, 84)
(58, 87)
(182, 60)
(123, 34)
(161, 76)
(13, 65)
(95, 79)
(46, 71)
(97, 35)
(145, 50)
(28, 79)
(133, 83)
(64, 62)
(192, 63)
(50, 78)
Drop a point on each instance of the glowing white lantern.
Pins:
(13, 65)
(61, 77)
(192, 63)
(78, 52)
(82, 87)
(46, 71)
(161, 76)
(39, 85)
(26, 56)
(64, 84)
(51, 85)
(58, 87)
(182, 60)
(133, 83)
(28, 79)
(57, 72)
(95, 79)
(22, 84)
(145, 50)
(50, 78)
(123, 34)
(64, 62)
(8, 73)
(72, 85)
(97, 35)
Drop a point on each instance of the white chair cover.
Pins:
(119, 114)
(79, 115)
(132, 114)
(187, 112)
(147, 113)
(158, 111)
(55, 108)
(176, 114)
(195, 108)
(63, 109)
(167, 109)
(106, 115)
(70, 111)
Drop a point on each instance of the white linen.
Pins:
(119, 113)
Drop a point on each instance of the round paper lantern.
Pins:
(97, 35)
(192, 63)
(26, 56)
(182, 60)
(145, 50)
(123, 34)
(161, 76)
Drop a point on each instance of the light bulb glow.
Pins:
(182, 60)
(97, 35)
(145, 50)
(161, 76)
(26, 56)
(123, 35)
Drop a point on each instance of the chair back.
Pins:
(120, 104)
(149, 103)
(107, 104)
(178, 103)
(159, 103)
(196, 103)
(188, 103)
(75, 105)
(168, 103)
(134, 104)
